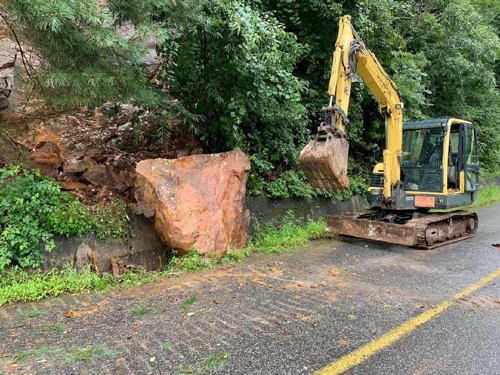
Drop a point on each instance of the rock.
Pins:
(198, 201)
(71, 185)
(7, 63)
(118, 267)
(85, 256)
(47, 158)
(103, 175)
(75, 165)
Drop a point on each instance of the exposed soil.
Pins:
(70, 146)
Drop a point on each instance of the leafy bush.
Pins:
(230, 69)
(290, 184)
(32, 210)
(293, 184)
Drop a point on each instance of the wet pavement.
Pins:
(276, 314)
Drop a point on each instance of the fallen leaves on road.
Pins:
(305, 318)
(259, 281)
(78, 313)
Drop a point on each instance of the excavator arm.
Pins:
(325, 158)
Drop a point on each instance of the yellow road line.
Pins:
(360, 355)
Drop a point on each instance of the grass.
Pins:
(56, 328)
(21, 285)
(17, 284)
(31, 314)
(139, 310)
(76, 354)
(487, 195)
(215, 361)
(286, 235)
(212, 362)
(39, 353)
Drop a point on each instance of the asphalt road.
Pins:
(295, 313)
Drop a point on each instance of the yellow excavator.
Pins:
(427, 164)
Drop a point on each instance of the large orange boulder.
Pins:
(198, 201)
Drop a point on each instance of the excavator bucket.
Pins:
(324, 162)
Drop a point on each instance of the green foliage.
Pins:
(286, 234)
(109, 219)
(17, 284)
(192, 261)
(234, 256)
(254, 73)
(83, 58)
(487, 195)
(32, 210)
(20, 285)
(56, 328)
(40, 353)
(214, 361)
(31, 314)
(289, 184)
(231, 70)
(139, 311)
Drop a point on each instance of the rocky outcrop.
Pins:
(7, 62)
(198, 202)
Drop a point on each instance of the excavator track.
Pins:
(427, 231)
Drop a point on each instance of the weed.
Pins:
(156, 311)
(109, 219)
(111, 353)
(80, 354)
(21, 285)
(18, 284)
(166, 345)
(286, 234)
(184, 371)
(487, 195)
(88, 352)
(139, 310)
(192, 261)
(215, 361)
(136, 278)
(212, 362)
(31, 314)
(39, 353)
(188, 303)
(33, 209)
(234, 256)
(56, 328)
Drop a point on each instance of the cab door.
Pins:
(470, 157)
